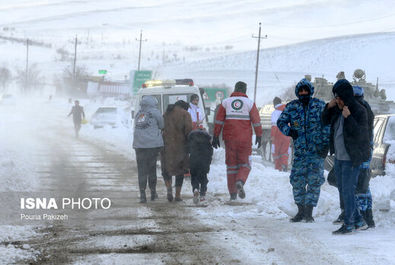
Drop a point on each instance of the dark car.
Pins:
(384, 134)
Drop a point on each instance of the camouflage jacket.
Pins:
(312, 135)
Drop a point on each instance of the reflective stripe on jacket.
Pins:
(235, 115)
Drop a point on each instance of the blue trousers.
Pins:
(306, 178)
(364, 201)
(347, 179)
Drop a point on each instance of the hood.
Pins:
(304, 83)
(148, 102)
(343, 89)
(200, 136)
(358, 91)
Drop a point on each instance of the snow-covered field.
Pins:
(209, 41)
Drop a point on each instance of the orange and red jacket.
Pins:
(235, 115)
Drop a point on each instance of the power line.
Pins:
(140, 40)
(27, 65)
(257, 58)
(75, 56)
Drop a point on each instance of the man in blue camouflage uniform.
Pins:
(301, 119)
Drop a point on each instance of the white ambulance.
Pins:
(169, 92)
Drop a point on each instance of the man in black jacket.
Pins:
(349, 141)
(78, 116)
(363, 194)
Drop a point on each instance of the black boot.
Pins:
(299, 216)
(339, 219)
(308, 213)
(363, 214)
(233, 196)
(143, 198)
(169, 190)
(369, 218)
(154, 195)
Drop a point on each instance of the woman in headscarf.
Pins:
(175, 162)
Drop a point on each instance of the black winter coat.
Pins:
(355, 130)
(200, 150)
(370, 115)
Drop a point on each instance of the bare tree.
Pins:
(30, 81)
(75, 83)
(5, 77)
(64, 54)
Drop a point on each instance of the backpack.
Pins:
(143, 119)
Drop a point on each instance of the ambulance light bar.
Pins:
(155, 83)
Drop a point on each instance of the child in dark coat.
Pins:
(201, 153)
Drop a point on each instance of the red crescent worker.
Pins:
(280, 142)
(235, 115)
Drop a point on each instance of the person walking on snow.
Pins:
(363, 194)
(280, 142)
(349, 141)
(147, 142)
(200, 155)
(78, 115)
(196, 113)
(301, 119)
(175, 160)
(235, 115)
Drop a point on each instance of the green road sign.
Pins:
(213, 94)
(102, 72)
(139, 78)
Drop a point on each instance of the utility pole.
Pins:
(75, 56)
(140, 40)
(257, 59)
(27, 65)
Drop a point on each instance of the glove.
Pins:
(293, 133)
(323, 151)
(215, 142)
(258, 141)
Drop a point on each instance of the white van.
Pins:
(168, 92)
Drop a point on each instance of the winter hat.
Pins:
(304, 84)
(343, 89)
(358, 91)
(276, 101)
(241, 87)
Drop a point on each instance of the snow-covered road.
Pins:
(254, 231)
